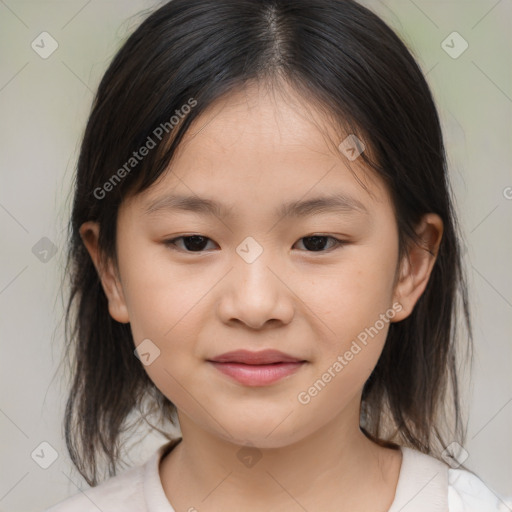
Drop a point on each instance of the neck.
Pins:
(335, 465)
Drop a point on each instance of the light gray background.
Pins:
(44, 106)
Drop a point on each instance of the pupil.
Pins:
(316, 242)
(195, 243)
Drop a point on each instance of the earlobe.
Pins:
(89, 231)
(417, 264)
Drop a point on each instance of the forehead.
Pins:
(257, 148)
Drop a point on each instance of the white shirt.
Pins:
(424, 485)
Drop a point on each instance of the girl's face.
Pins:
(256, 280)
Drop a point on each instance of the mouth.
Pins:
(256, 368)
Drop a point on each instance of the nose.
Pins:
(256, 293)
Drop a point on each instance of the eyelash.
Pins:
(172, 243)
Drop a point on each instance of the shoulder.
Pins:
(427, 484)
(468, 493)
(137, 489)
(121, 493)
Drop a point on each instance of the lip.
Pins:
(257, 368)
(268, 356)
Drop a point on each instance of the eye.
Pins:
(316, 243)
(193, 243)
(197, 243)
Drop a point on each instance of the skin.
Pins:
(254, 151)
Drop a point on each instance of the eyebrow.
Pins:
(340, 203)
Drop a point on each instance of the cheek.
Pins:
(162, 299)
(352, 293)
(165, 307)
(354, 304)
(348, 351)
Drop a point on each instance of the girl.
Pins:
(264, 249)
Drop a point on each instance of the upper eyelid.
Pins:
(208, 238)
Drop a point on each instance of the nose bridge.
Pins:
(250, 250)
(253, 262)
(254, 293)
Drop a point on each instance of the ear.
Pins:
(417, 264)
(89, 231)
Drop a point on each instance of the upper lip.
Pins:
(261, 357)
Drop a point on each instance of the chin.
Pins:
(263, 431)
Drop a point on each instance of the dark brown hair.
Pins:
(343, 57)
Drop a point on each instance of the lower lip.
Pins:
(257, 375)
